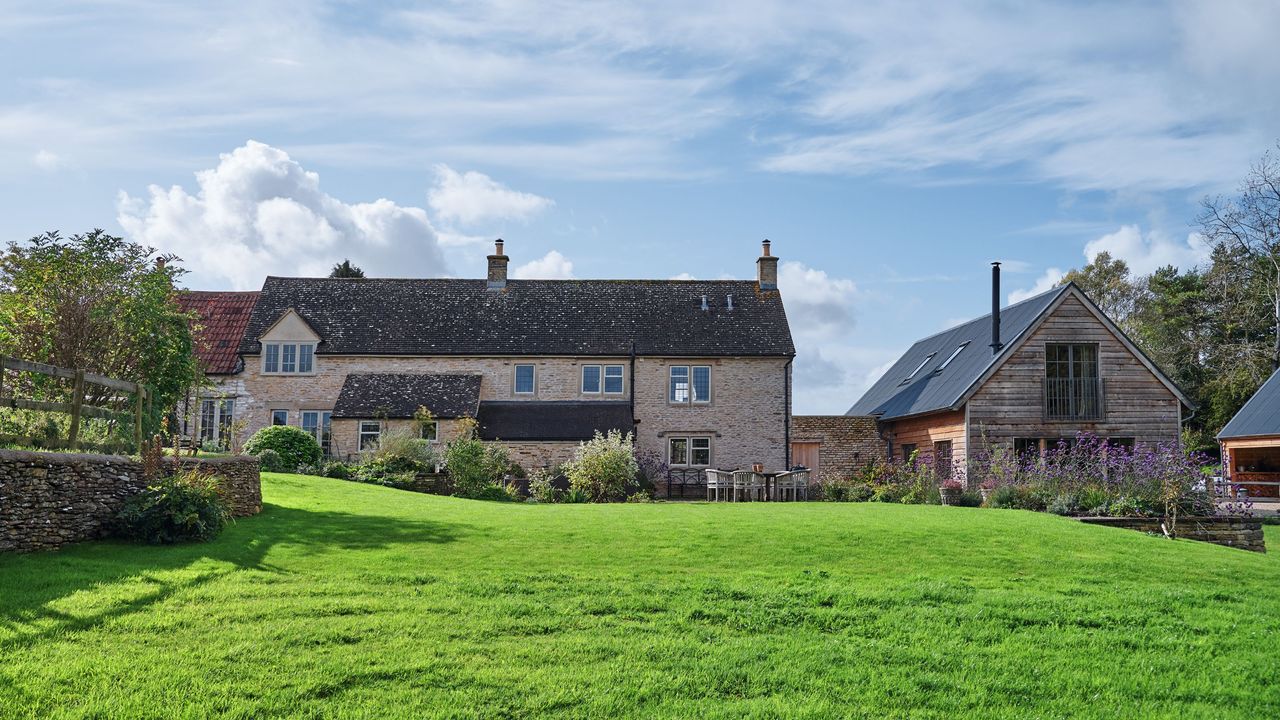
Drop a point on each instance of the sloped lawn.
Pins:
(349, 600)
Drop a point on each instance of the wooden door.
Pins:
(806, 454)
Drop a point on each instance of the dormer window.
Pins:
(951, 357)
(919, 368)
(288, 358)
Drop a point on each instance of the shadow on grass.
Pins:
(32, 582)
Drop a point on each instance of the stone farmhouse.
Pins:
(1054, 366)
(700, 371)
(207, 415)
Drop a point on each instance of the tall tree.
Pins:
(1108, 282)
(99, 303)
(345, 269)
(1249, 225)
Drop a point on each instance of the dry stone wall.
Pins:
(1237, 532)
(48, 500)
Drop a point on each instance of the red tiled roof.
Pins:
(222, 317)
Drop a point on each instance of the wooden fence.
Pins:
(76, 408)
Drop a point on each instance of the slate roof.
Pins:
(399, 395)
(1260, 416)
(529, 317)
(555, 420)
(930, 391)
(223, 317)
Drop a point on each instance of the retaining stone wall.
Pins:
(48, 500)
(1236, 532)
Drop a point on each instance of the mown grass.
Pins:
(348, 600)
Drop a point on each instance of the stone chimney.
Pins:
(767, 269)
(498, 267)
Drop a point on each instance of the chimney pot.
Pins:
(767, 269)
(765, 246)
(498, 267)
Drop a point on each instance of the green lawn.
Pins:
(350, 600)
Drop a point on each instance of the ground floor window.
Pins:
(908, 449)
(942, 459)
(370, 433)
(1026, 447)
(216, 416)
(279, 417)
(689, 451)
(319, 424)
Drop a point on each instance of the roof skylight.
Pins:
(918, 368)
(951, 357)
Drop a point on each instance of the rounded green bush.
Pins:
(295, 445)
(270, 461)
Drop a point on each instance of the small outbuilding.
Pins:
(1251, 443)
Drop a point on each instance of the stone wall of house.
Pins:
(346, 434)
(745, 419)
(1236, 532)
(845, 442)
(48, 500)
(540, 455)
(556, 378)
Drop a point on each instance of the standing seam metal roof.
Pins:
(930, 390)
(1260, 415)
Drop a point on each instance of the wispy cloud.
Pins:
(1107, 96)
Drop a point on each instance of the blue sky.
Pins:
(889, 150)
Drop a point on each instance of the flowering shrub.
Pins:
(1084, 476)
(603, 466)
(1089, 476)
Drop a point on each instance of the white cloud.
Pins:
(474, 197)
(259, 212)
(683, 276)
(47, 161)
(822, 311)
(1145, 252)
(1046, 282)
(818, 305)
(552, 266)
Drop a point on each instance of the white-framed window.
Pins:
(690, 384)
(370, 434)
(319, 424)
(523, 380)
(279, 417)
(216, 416)
(429, 430)
(602, 378)
(288, 358)
(613, 384)
(689, 451)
